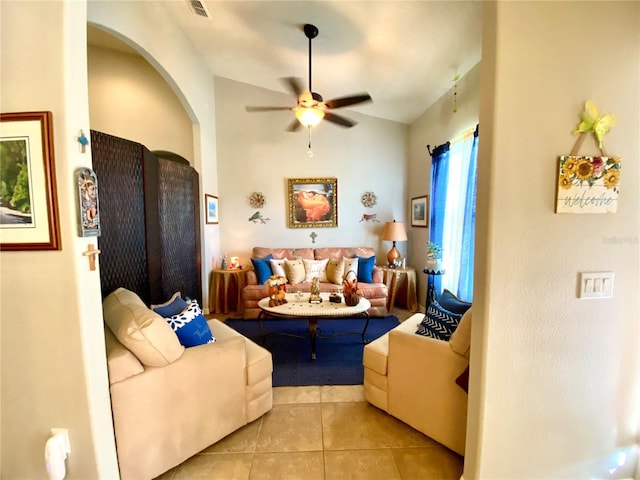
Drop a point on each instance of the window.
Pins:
(453, 211)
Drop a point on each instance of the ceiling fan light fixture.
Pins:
(309, 116)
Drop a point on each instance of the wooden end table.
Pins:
(296, 309)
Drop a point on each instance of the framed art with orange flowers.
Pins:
(588, 184)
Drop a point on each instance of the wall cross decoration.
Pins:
(313, 236)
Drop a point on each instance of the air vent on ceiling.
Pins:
(198, 7)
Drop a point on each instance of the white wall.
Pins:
(555, 381)
(129, 99)
(436, 126)
(53, 357)
(255, 153)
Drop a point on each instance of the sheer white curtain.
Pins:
(460, 155)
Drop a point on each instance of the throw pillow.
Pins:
(277, 267)
(335, 270)
(350, 264)
(174, 305)
(140, 329)
(295, 271)
(365, 269)
(262, 267)
(438, 323)
(452, 303)
(315, 268)
(191, 327)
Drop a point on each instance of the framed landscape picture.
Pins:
(28, 197)
(211, 208)
(420, 211)
(312, 202)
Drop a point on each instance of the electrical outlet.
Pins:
(595, 285)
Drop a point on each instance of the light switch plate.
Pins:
(595, 285)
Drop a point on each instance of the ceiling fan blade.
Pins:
(337, 119)
(346, 101)
(294, 84)
(266, 109)
(294, 126)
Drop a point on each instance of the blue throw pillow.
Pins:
(191, 327)
(173, 306)
(365, 269)
(262, 268)
(452, 303)
(438, 322)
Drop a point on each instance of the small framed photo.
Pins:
(211, 208)
(312, 202)
(28, 198)
(420, 211)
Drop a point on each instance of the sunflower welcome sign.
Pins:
(589, 184)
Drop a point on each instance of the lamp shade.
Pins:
(394, 232)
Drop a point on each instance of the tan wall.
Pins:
(52, 357)
(437, 125)
(555, 381)
(129, 99)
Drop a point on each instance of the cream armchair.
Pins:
(413, 378)
(170, 402)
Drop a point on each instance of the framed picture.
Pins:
(211, 208)
(28, 197)
(420, 211)
(312, 202)
(87, 183)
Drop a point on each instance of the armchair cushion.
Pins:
(144, 332)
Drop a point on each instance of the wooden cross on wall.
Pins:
(313, 236)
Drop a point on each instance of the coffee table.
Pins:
(296, 309)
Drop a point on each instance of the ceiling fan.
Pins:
(311, 108)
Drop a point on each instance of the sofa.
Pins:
(322, 262)
(169, 401)
(422, 380)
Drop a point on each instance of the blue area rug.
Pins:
(339, 358)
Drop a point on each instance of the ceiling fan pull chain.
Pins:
(310, 152)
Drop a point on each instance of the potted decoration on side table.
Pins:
(434, 257)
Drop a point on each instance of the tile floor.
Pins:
(327, 432)
(323, 433)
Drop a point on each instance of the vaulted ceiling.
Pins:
(405, 54)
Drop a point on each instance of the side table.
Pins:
(225, 294)
(431, 291)
(401, 283)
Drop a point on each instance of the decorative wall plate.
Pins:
(368, 199)
(257, 200)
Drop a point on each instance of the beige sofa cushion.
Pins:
(295, 271)
(460, 340)
(335, 270)
(144, 332)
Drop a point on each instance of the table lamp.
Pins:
(394, 232)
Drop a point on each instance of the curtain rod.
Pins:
(475, 133)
